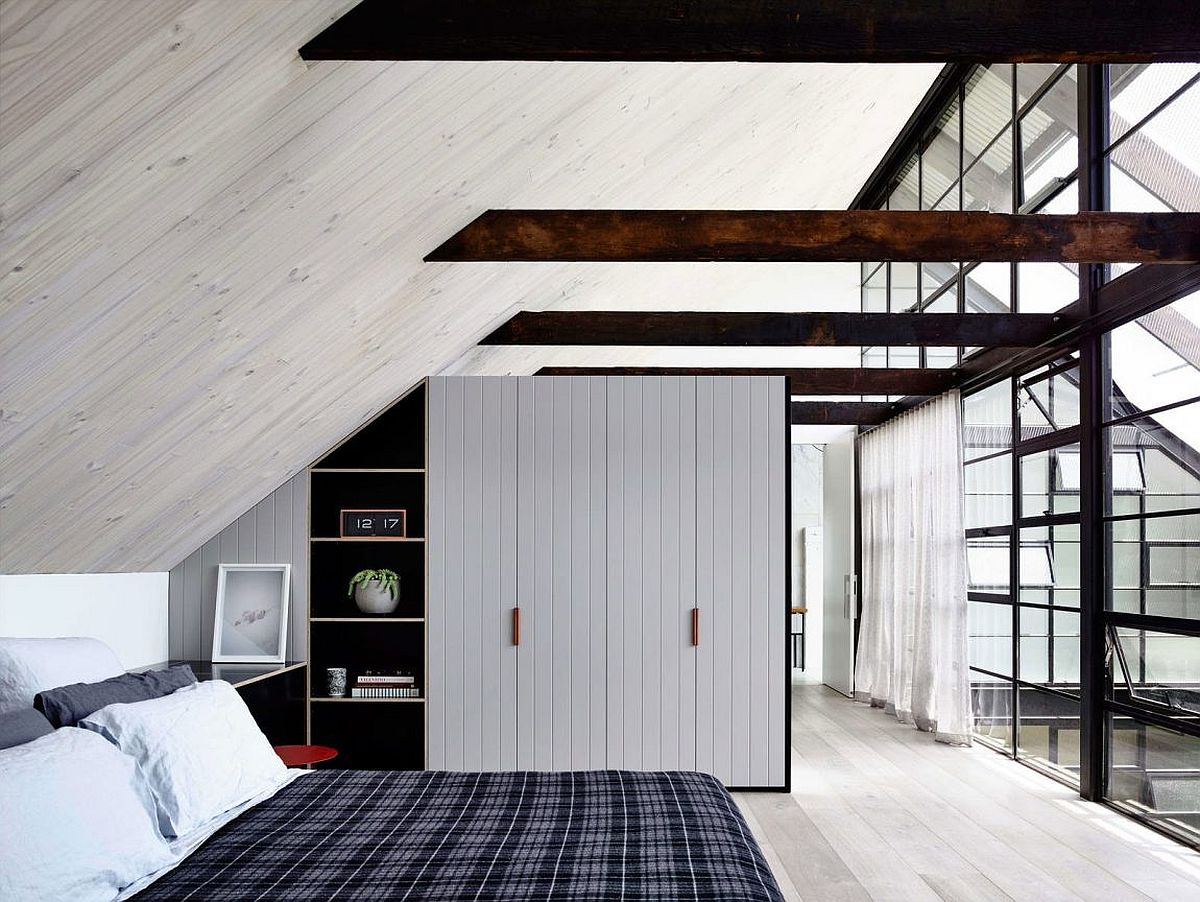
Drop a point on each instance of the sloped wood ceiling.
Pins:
(211, 268)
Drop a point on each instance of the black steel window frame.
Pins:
(1102, 304)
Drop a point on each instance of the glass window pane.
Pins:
(1046, 287)
(906, 194)
(1155, 774)
(934, 276)
(989, 632)
(988, 487)
(988, 288)
(874, 296)
(874, 357)
(1155, 565)
(941, 358)
(991, 702)
(1049, 566)
(1049, 404)
(987, 420)
(1137, 89)
(939, 164)
(1158, 667)
(1049, 731)
(987, 184)
(904, 287)
(1156, 167)
(1170, 338)
(1031, 76)
(987, 565)
(1050, 482)
(987, 110)
(1049, 144)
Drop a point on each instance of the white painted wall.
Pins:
(128, 611)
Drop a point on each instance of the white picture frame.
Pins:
(251, 617)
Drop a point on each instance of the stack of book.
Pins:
(386, 685)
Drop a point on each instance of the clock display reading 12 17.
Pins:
(371, 524)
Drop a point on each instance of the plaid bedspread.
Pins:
(395, 835)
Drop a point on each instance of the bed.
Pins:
(157, 786)
(392, 835)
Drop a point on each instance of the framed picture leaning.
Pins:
(250, 622)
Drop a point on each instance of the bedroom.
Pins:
(572, 402)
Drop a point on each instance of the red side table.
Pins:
(304, 755)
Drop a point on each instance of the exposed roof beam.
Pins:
(842, 413)
(822, 236)
(801, 380)
(765, 31)
(739, 329)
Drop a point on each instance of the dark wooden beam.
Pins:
(764, 31)
(619, 327)
(801, 380)
(822, 236)
(842, 413)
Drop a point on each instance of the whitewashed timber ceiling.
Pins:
(210, 256)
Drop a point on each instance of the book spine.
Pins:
(385, 692)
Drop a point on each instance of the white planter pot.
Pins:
(371, 598)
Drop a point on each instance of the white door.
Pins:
(841, 582)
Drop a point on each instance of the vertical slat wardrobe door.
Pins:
(759, 597)
(527, 425)
(507, 535)
(626, 578)
(742, 651)
(651, 667)
(706, 680)
(675, 661)
(614, 534)
(597, 586)
(537, 552)
(583, 601)
(472, 693)
(435, 590)
(472, 606)
(778, 670)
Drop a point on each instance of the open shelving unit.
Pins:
(382, 466)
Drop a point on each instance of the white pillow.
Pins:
(76, 820)
(27, 666)
(199, 749)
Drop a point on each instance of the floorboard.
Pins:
(879, 811)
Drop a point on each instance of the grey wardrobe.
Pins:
(607, 582)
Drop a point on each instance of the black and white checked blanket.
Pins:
(396, 835)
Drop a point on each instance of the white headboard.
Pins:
(128, 611)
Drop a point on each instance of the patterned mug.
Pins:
(335, 681)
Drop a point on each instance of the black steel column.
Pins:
(1093, 195)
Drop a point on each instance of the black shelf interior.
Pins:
(395, 438)
(359, 647)
(334, 492)
(333, 563)
(371, 735)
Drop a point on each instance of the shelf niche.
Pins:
(380, 467)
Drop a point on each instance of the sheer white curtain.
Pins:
(912, 651)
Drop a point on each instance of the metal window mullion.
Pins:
(1014, 572)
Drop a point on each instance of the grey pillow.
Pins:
(21, 726)
(67, 705)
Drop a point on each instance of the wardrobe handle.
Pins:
(695, 626)
(516, 626)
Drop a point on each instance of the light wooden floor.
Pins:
(881, 811)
